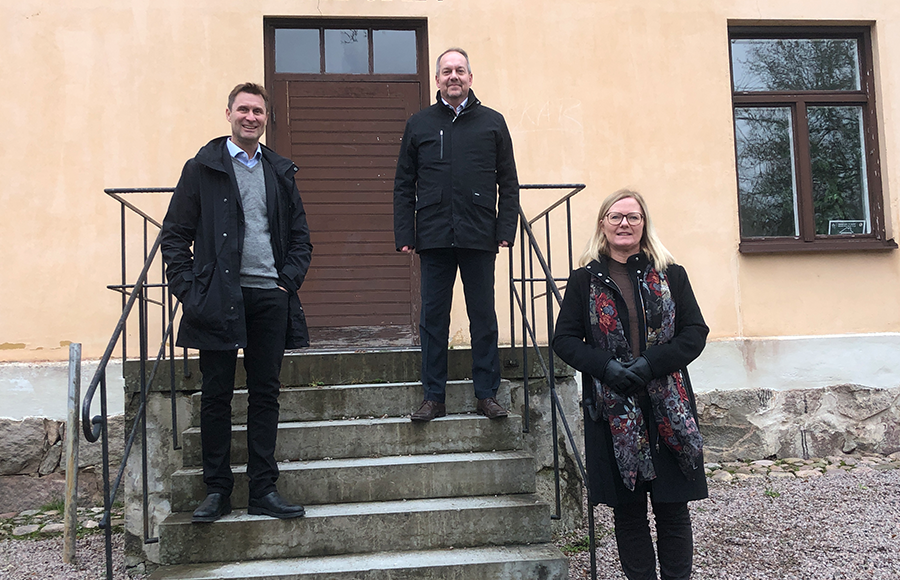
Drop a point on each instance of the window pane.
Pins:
(395, 51)
(296, 50)
(347, 51)
(840, 194)
(767, 184)
(795, 64)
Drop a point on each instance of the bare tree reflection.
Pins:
(767, 162)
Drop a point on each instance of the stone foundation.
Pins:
(758, 423)
(539, 443)
(32, 463)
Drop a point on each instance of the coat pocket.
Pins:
(484, 198)
(425, 198)
(205, 302)
(297, 331)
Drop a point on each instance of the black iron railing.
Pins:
(530, 282)
(145, 294)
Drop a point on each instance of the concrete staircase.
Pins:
(385, 498)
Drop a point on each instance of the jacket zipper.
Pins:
(442, 144)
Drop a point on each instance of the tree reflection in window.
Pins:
(838, 165)
(766, 180)
(795, 64)
(780, 85)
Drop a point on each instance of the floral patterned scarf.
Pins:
(671, 406)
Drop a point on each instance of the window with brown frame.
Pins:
(806, 139)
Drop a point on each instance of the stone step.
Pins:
(348, 401)
(377, 479)
(309, 440)
(354, 528)
(532, 562)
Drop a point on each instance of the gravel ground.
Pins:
(28, 559)
(840, 526)
(843, 526)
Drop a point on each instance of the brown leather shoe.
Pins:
(491, 409)
(429, 410)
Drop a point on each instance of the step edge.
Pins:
(384, 460)
(365, 509)
(349, 563)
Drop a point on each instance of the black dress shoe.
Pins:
(274, 505)
(212, 508)
(428, 411)
(491, 409)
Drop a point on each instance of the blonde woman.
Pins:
(630, 323)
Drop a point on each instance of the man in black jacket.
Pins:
(456, 199)
(236, 247)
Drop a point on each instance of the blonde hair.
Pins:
(598, 246)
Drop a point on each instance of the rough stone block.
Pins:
(755, 423)
(91, 454)
(51, 459)
(23, 492)
(22, 446)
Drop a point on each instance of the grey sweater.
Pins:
(257, 260)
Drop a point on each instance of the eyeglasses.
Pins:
(616, 218)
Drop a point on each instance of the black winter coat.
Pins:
(456, 183)
(573, 342)
(205, 212)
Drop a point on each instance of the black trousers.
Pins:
(266, 313)
(476, 267)
(674, 540)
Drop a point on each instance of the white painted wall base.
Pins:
(41, 389)
(798, 362)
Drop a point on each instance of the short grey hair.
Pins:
(437, 64)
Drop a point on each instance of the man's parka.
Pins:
(456, 183)
(205, 212)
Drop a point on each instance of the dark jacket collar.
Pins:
(215, 155)
(473, 101)
(600, 267)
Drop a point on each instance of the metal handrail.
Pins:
(96, 428)
(552, 296)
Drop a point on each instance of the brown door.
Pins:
(341, 95)
(344, 137)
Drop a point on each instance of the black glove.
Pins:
(618, 378)
(641, 368)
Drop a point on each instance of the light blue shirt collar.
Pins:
(458, 109)
(241, 155)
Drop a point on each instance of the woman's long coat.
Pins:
(573, 342)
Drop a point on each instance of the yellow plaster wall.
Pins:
(108, 93)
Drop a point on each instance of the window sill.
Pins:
(795, 245)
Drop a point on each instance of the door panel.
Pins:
(344, 136)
